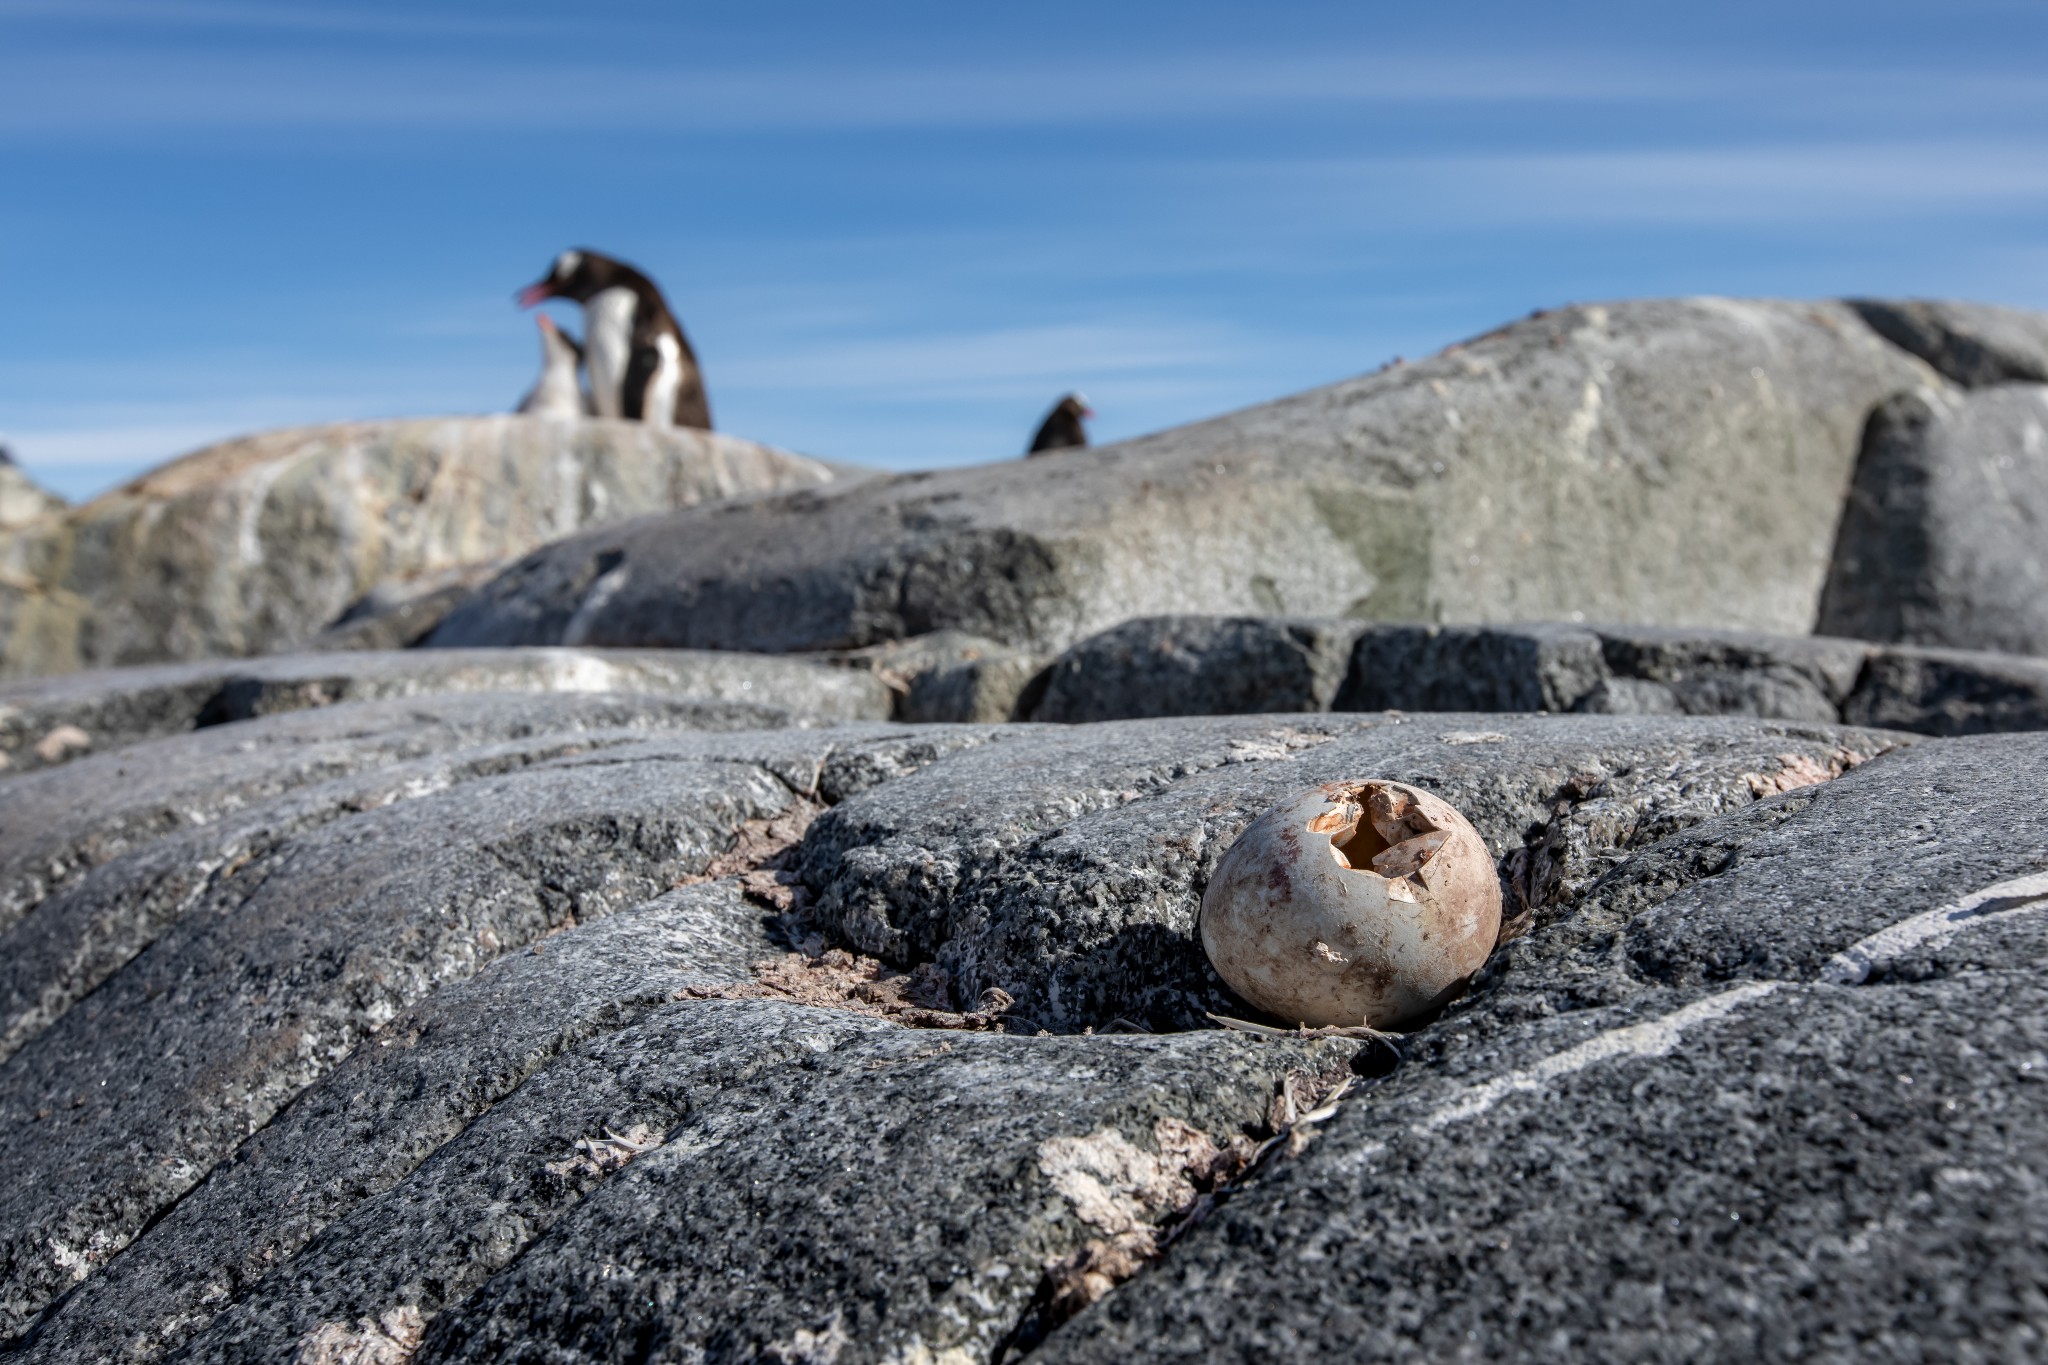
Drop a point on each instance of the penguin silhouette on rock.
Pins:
(556, 393)
(1062, 429)
(640, 364)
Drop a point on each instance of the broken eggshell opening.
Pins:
(1366, 902)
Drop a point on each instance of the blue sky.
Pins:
(896, 232)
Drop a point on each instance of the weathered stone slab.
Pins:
(1752, 1099)
(59, 823)
(22, 499)
(1731, 673)
(949, 675)
(399, 615)
(280, 966)
(1064, 866)
(867, 1184)
(1941, 540)
(1673, 461)
(1535, 667)
(1951, 692)
(115, 707)
(1974, 344)
(256, 544)
(424, 1079)
(1225, 665)
(1200, 666)
(552, 1157)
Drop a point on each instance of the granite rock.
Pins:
(1974, 344)
(1064, 866)
(1672, 461)
(1202, 666)
(22, 499)
(1199, 666)
(1774, 1090)
(949, 675)
(439, 1062)
(1941, 539)
(256, 544)
(1950, 692)
(109, 708)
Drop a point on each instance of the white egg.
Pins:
(1366, 902)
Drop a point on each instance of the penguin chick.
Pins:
(1062, 429)
(556, 393)
(640, 363)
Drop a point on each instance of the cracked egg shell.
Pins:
(1357, 902)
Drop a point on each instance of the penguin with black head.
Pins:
(640, 364)
(1062, 428)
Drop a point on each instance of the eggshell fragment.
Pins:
(1366, 902)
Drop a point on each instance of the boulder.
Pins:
(22, 500)
(1973, 344)
(400, 614)
(1200, 666)
(45, 721)
(950, 675)
(1771, 1091)
(1941, 541)
(1950, 692)
(1190, 666)
(1681, 462)
(257, 544)
(453, 1039)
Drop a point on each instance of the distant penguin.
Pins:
(556, 393)
(1062, 429)
(640, 363)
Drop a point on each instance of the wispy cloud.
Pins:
(1689, 185)
(261, 18)
(998, 363)
(58, 92)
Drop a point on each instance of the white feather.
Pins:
(607, 345)
(555, 393)
(660, 410)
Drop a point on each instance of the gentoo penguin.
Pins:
(641, 365)
(556, 393)
(1062, 429)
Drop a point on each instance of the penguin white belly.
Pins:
(556, 393)
(660, 408)
(607, 345)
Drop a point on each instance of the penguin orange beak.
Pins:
(534, 293)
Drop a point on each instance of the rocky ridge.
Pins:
(435, 1026)
(1209, 665)
(258, 544)
(540, 1002)
(1675, 461)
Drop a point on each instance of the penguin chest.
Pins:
(608, 347)
(659, 409)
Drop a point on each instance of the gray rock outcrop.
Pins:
(1768, 1093)
(257, 544)
(486, 1026)
(22, 499)
(1206, 665)
(1681, 462)
(46, 721)
(1944, 538)
(1973, 344)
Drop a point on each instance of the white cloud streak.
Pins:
(107, 87)
(1720, 185)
